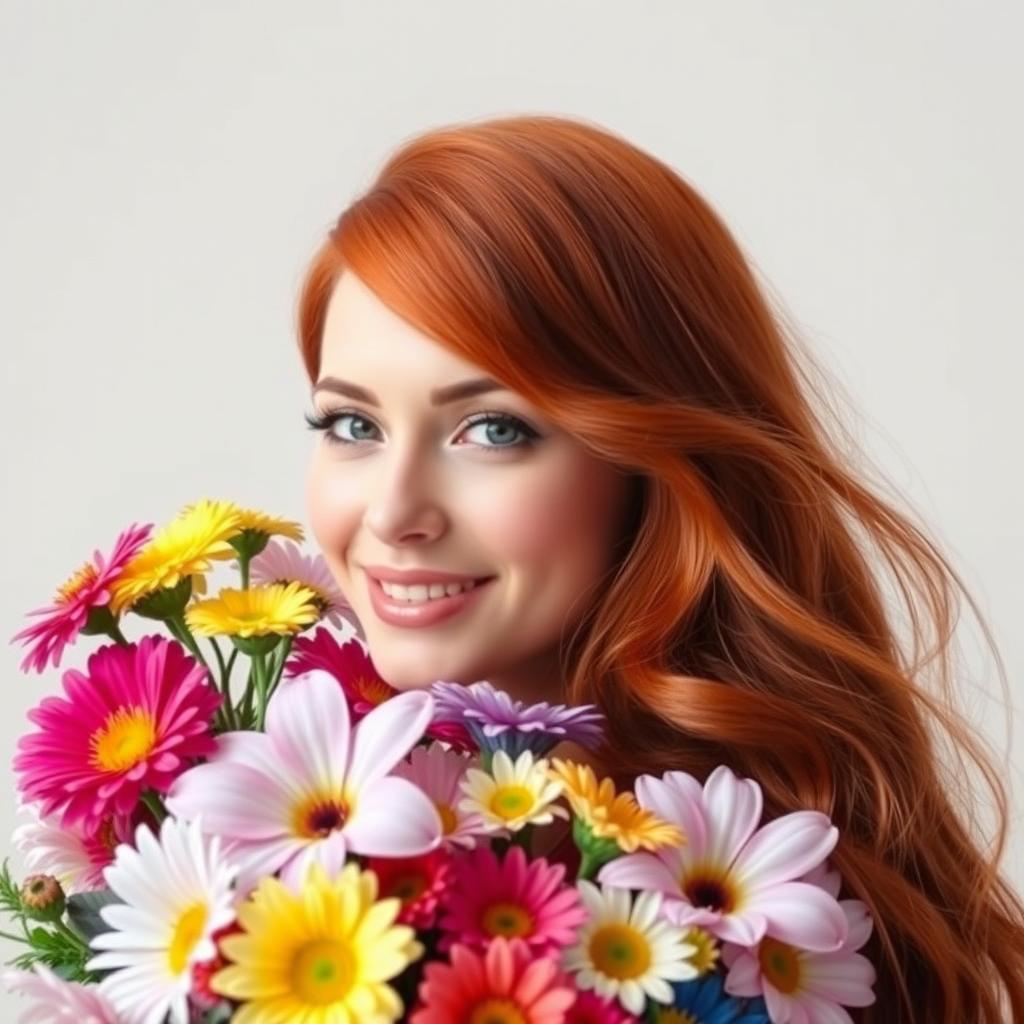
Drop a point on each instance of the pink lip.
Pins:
(401, 613)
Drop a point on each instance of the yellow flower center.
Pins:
(667, 1015)
(449, 820)
(708, 949)
(323, 972)
(187, 932)
(510, 802)
(406, 887)
(508, 919)
(82, 578)
(780, 964)
(496, 1011)
(124, 739)
(319, 815)
(620, 952)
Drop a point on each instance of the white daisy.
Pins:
(439, 771)
(624, 951)
(512, 795)
(176, 892)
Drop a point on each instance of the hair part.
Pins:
(745, 622)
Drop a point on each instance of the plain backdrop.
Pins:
(168, 168)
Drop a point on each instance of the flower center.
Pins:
(323, 972)
(187, 932)
(373, 691)
(708, 891)
(510, 802)
(780, 964)
(508, 919)
(496, 1011)
(124, 739)
(407, 887)
(82, 578)
(667, 1015)
(320, 815)
(708, 948)
(449, 820)
(620, 952)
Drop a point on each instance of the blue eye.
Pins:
(326, 421)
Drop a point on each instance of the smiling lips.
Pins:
(418, 613)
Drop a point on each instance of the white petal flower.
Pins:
(513, 795)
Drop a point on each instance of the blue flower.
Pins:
(704, 1001)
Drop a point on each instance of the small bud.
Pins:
(42, 897)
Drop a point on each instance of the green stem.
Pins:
(226, 714)
(177, 626)
(117, 636)
(243, 568)
(279, 655)
(73, 936)
(260, 665)
(154, 803)
(589, 864)
(15, 938)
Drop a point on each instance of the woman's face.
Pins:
(406, 482)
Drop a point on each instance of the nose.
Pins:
(404, 506)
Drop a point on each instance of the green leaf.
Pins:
(84, 912)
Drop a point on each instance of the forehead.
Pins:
(363, 334)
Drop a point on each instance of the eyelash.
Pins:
(327, 420)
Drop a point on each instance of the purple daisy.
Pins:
(497, 722)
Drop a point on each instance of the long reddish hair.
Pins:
(745, 621)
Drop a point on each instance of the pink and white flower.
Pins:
(313, 787)
(800, 985)
(439, 772)
(735, 882)
(59, 1001)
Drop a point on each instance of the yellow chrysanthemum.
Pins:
(617, 817)
(253, 519)
(257, 611)
(321, 956)
(709, 949)
(185, 547)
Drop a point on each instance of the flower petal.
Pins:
(802, 915)
(393, 818)
(785, 849)
(387, 734)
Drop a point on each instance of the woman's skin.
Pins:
(419, 488)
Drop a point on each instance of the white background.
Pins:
(167, 170)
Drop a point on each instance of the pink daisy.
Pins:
(59, 1000)
(134, 722)
(513, 898)
(282, 561)
(362, 685)
(798, 984)
(439, 772)
(590, 1008)
(76, 858)
(506, 984)
(419, 882)
(87, 589)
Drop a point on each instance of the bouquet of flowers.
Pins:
(306, 844)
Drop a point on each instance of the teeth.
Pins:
(420, 593)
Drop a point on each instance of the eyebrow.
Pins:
(439, 396)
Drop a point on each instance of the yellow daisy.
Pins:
(321, 956)
(709, 949)
(617, 817)
(253, 519)
(512, 795)
(277, 608)
(182, 550)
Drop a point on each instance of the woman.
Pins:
(672, 534)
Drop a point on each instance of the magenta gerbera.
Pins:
(497, 722)
(86, 590)
(509, 896)
(419, 882)
(138, 717)
(590, 1008)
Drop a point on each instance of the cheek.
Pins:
(331, 505)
